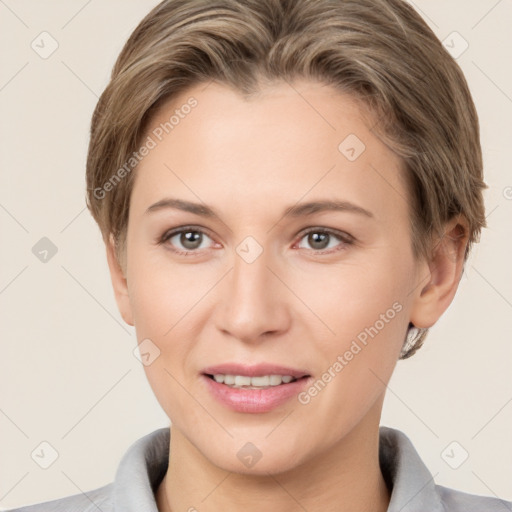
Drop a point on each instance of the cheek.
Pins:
(160, 315)
(162, 294)
(368, 313)
(349, 298)
(365, 307)
(165, 301)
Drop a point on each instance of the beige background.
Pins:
(67, 372)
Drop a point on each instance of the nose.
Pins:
(253, 301)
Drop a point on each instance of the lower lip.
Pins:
(254, 400)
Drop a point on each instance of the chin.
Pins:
(243, 456)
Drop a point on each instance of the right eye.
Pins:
(185, 240)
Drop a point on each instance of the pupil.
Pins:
(319, 240)
(190, 238)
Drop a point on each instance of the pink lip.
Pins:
(257, 370)
(254, 400)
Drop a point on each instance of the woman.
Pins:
(288, 191)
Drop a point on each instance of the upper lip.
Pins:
(257, 370)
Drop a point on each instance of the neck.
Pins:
(347, 478)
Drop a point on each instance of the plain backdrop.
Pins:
(68, 374)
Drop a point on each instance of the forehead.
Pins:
(306, 108)
(287, 140)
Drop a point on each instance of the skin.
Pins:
(297, 304)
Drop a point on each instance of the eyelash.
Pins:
(344, 238)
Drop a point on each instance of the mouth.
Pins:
(254, 394)
(256, 388)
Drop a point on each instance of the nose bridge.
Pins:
(252, 302)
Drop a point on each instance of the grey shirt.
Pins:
(143, 467)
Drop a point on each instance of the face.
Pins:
(273, 234)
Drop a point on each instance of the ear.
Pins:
(119, 282)
(439, 277)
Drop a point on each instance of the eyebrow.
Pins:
(298, 210)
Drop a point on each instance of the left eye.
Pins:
(320, 239)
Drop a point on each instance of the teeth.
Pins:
(256, 382)
(229, 379)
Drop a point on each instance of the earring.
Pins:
(413, 341)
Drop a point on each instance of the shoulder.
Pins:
(139, 472)
(458, 501)
(413, 487)
(97, 499)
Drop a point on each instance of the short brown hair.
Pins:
(379, 51)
